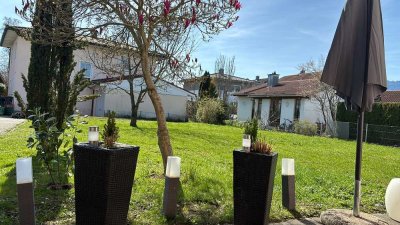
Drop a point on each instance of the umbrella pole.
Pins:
(357, 185)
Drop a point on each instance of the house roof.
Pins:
(390, 96)
(218, 76)
(11, 33)
(300, 85)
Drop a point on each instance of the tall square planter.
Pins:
(103, 183)
(253, 182)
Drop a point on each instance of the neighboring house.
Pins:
(389, 97)
(280, 101)
(226, 85)
(173, 97)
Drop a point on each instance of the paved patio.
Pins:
(385, 220)
(7, 124)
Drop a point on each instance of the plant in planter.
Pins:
(104, 177)
(253, 181)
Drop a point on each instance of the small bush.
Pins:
(305, 128)
(210, 110)
(111, 131)
(251, 128)
(191, 110)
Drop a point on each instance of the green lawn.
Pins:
(324, 174)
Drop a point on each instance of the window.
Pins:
(236, 88)
(275, 112)
(297, 109)
(88, 69)
(125, 64)
(259, 108)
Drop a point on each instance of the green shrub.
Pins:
(210, 110)
(305, 128)
(110, 133)
(251, 128)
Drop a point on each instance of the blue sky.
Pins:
(279, 35)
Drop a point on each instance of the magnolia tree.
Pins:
(158, 27)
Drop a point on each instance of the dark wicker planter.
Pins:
(103, 183)
(253, 182)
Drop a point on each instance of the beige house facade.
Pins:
(112, 98)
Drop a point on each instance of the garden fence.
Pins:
(379, 134)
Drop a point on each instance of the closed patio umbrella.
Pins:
(355, 67)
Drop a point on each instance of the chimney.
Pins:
(257, 78)
(221, 71)
(273, 79)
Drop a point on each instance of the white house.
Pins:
(280, 101)
(173, 98)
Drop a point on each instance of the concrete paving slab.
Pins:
(7, 124)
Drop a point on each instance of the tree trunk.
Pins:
(134, 105)
(164, 142)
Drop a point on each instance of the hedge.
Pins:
(387, 114)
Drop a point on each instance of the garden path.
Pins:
(7, 124)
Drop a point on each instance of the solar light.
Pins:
(93, 135)
(288, 184)
(246, 142)
(172, 175)
(392, 199)
(173, 167)
(25, 191)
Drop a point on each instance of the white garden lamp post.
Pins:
(288, 184)
(25, 191)
(392, 199)
(172, 175)
(246, 142)
(93, 135)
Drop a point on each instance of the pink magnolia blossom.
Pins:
(167, 7)
(198, 2)
(187, 57)
(193, 15)
(141, 18)
(238, 6)
(187, 23)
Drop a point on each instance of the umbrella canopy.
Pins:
(355, 66)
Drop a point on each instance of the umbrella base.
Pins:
(345, 217)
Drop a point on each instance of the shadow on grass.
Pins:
(48, 203)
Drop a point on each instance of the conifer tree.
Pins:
(207, 87)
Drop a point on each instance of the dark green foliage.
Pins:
(2, 89)
(207, 87)
(53, 145)
(20, 101)
(110, 133)
(38, 82)
(48, 85)
(251, 128)
(382, 114)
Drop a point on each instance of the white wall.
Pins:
(174, 101)
(265, 107)
(244, 108)
(174, 98)
(19, 64)
(310, 111)
(287, 110)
